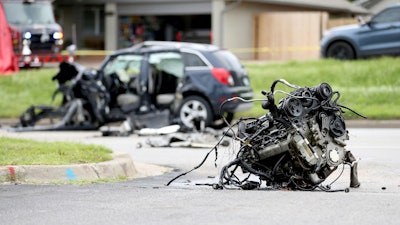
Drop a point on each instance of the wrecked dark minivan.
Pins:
(152, 84)
(210, 76)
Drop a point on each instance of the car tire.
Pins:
(340, 50)
(192, 110)
(86, 116)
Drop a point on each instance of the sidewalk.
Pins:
(121, 166)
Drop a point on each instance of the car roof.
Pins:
(180, 45)
(142, 50)
(156, 46)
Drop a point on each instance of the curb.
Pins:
(121, 166)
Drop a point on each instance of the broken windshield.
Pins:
(24, 14)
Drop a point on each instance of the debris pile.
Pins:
(295, 146)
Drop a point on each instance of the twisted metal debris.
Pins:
(296, 145)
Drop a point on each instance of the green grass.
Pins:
(370, 87)
(28, 152)
(25, 88)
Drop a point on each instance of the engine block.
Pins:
(297, 144)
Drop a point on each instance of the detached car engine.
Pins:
(296, 145)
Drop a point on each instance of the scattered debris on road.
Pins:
(172, 137)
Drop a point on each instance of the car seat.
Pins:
(130, 100)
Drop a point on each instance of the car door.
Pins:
(121, 74)
(166, 69)
(382, 35)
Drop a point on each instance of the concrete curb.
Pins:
(121, 166)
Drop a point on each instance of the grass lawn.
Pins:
(26, 88)
(28, 152)
(371, 87)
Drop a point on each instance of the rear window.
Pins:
(192, 60)
(228, 60)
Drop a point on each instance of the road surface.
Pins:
(149, 201)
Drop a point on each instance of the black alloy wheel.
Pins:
(340, 50)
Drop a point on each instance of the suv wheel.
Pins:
(340, 50)
(84, 117)
(193, 109)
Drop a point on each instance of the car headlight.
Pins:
(27, 35)
(58, 35)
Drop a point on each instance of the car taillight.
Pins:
(223, 76)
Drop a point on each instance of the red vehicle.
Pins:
(36, 37)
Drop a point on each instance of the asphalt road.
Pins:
(149, 201)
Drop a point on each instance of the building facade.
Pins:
(114, 24)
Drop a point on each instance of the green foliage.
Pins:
(28, 152)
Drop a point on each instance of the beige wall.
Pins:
(239, 26)
(286, 36)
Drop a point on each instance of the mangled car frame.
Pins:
(151, 84)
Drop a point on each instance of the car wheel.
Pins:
(82, 118)
(340, 50)
(194, 109)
